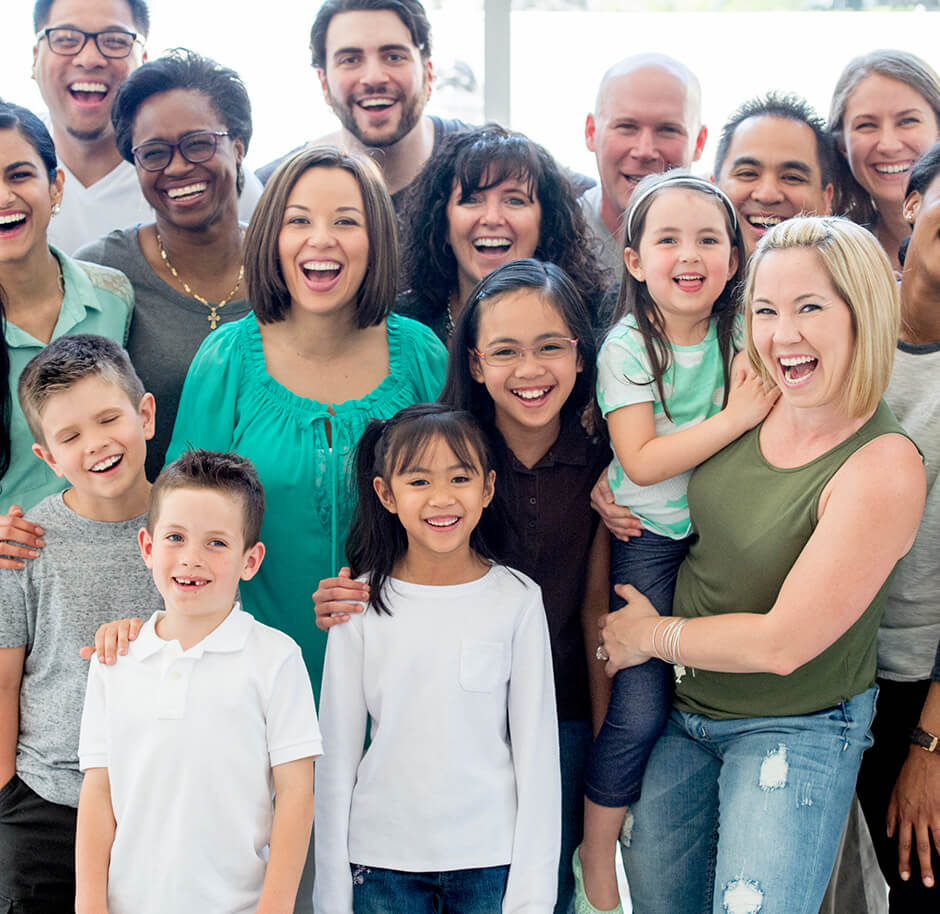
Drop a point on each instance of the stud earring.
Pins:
(56, 208)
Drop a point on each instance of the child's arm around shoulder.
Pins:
(648, 458)
(533, 734)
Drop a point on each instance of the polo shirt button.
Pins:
(176, 676)
(531, 523)
(532, 500)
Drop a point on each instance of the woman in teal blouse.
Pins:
(292, 385)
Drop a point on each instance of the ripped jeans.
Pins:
(744, 816)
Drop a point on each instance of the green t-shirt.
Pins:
(694, 386)
(746, 545)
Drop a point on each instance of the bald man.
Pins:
(646, 120)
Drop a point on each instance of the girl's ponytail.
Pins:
(376, 538)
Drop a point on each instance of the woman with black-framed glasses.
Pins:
(184, 121)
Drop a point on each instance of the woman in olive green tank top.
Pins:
(799, 523)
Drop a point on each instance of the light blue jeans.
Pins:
(744, 816)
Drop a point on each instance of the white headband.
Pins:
(680, 179)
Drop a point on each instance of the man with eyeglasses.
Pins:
(84, 50)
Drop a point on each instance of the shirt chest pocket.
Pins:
(484, 665)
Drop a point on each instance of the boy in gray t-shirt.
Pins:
(91, 420)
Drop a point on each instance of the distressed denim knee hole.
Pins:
(742, 896)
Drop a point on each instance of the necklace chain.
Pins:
(214, 309)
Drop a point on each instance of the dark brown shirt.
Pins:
(552, 508)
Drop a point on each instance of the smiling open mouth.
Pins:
(102, 466)
(190, 582)
(187, 192)
(797, 368)
(88, 91)
(533, 394)
(492, 245)
(442, 523)
(689, 282)
(376, 104)
(11, 222)
(894, 168)
(762, 221)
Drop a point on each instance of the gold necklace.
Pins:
(214, 309)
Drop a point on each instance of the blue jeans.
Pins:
(641, 696)
(744, 815)
(574, 742)
(476, 891)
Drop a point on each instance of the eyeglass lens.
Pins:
(553, 348)
(195, 148)
(111, 43)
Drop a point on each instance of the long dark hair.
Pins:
(377, 540)
(476, 160)
(461, 391)
(34, 131)
(635, 297)
(6, 401)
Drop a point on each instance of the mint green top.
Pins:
(231, 403)
(747, 543)
(97, 300)
(694, 386)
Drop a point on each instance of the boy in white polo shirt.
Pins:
(187, 738)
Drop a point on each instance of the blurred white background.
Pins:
(557, 59)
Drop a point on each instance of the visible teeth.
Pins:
(893, 169)
(377, 102)
(765, 221)
(88, 87)
(492, 242)
(532, 394)
(105, 464)
(175, 193)
(13, 217)
(320, 266)
(790, 360)
(689, 277)
(443, 522)
(189, 581)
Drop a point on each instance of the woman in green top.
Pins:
(47, 295)
(292, 385)
(800, 523)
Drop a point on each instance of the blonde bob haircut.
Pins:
(264, 277)
(862, 277)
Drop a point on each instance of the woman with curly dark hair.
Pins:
(488, 196)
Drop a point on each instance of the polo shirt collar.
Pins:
(230, 636)
(80, 298)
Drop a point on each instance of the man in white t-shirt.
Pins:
(84, 50)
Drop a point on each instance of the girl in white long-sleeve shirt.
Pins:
(455, 804)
